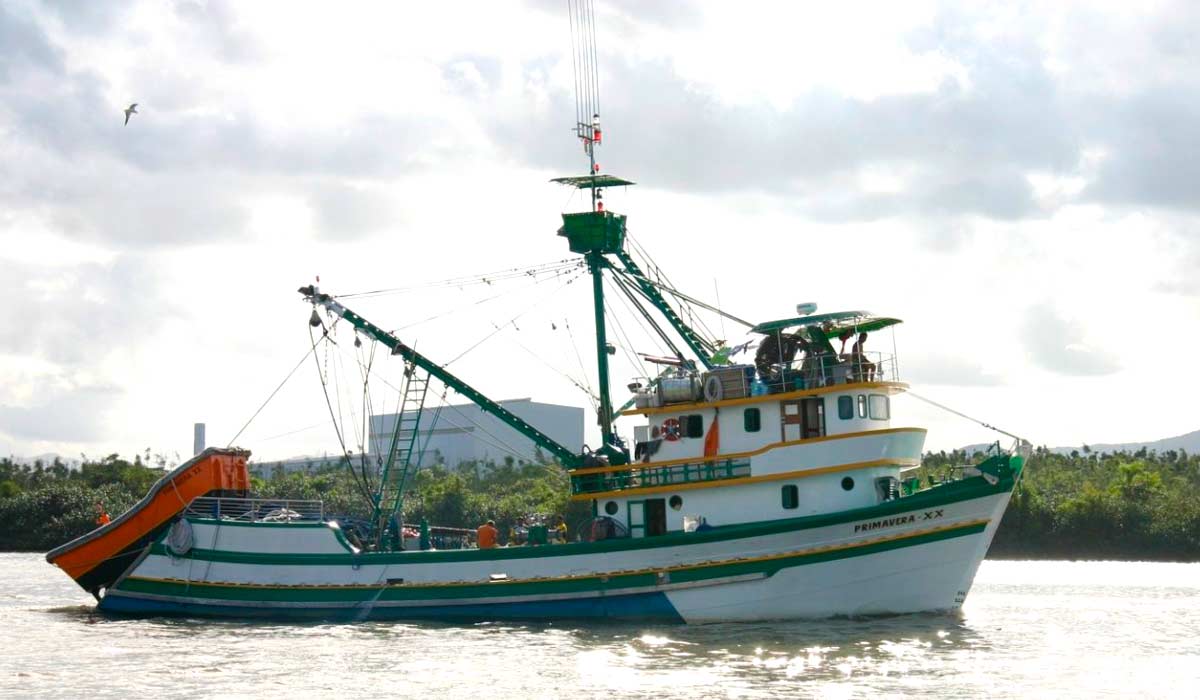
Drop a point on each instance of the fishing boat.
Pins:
(772, 490)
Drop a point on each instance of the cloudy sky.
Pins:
(1017, 182)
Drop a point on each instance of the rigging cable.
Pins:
(512, 321)
(627, 347)
(273, 393)
(480, 302)
(1020, 440)
(628, 288)
(582, 368)
(701, 339)
(496, 442)
(499, 444)
(325, 389)
(665, 284)
(368, 409)
(586, 390)
(475, 279)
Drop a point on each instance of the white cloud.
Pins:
(1058, 344)
(951, 165)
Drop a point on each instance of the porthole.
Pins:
(610, 507)
(847, 483)
(676, 502)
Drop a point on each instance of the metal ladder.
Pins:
(404, 445)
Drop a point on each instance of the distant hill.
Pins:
(46, 460)
(1190, 442)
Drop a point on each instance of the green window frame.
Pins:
(845, 407)
(791, 496)
(752, 420)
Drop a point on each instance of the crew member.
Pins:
(485, 535)
(102, 515)
(864, 369)
(560, 529)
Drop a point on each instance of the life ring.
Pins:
(180, 538)
(670, 429)
(714, 390)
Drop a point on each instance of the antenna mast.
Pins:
(587, 86)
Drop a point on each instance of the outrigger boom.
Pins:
(569, 458)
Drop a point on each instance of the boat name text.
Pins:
(898, 520)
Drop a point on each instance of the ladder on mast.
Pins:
(404, 445)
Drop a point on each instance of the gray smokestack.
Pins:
(198, 439)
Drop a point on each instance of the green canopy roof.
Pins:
(860, 321)
(587, 182)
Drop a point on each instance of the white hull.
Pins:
(874, 561)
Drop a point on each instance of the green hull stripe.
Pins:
(577, 585)
(941, 495)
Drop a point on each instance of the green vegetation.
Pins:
(1127, 506)
(44, 506)
(1078, 506)
(464, 496)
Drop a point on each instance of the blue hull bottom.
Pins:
(639, 606)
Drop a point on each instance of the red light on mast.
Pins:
(597, 136)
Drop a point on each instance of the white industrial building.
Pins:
(452, 435)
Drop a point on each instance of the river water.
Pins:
(1028, 629)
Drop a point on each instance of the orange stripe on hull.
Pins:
(211, 470)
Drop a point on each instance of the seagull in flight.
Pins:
(130, 110)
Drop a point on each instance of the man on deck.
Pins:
(485, 535)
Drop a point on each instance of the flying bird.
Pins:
(130, 110)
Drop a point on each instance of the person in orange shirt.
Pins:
(101, 515)
(485, 535)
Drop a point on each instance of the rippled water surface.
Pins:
(1029, 629)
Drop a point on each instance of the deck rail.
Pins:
(265, 510)
(828, 369)
(669, 475)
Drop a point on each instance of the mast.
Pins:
(596, 263)
(596, 232)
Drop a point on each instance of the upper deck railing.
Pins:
(267, 510)
(828, 369)
(812, 371)
(634, 477)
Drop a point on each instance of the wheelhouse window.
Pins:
(791, 497)
(845, 407)
(752, 420)
(879, 407)
(862, 406)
